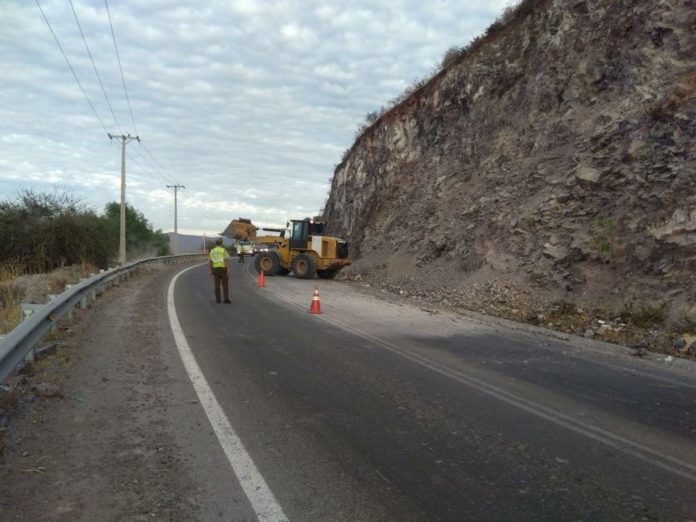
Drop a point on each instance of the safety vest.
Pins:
(217, 257)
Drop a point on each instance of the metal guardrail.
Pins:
(17, 345)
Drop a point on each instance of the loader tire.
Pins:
(269, 262)
(327, 274)
(304, 266)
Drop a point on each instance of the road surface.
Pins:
(384, 411)
(170, 406)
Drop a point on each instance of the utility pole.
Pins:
(176, 229)
(125, 140)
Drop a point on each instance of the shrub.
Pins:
(605, 235)
(141, 239)
(450, 57)
(43, 231)
(649, 314)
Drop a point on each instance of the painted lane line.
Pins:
(262, 500)
(657, 458)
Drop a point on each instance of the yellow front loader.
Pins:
(303, 250)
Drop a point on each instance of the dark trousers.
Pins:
(241, 258)
(220, 277)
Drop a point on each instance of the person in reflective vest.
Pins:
(219, 264)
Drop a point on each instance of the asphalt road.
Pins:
(378, 411)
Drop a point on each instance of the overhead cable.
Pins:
(154, 168)
(118, 57)
(71, 67)
(146, 169)
(89, 53)
(176, 182)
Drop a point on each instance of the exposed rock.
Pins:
(557, 252)
(680, 229)
(604, 329)
(585, 173)
(691, 350)
(557, 153)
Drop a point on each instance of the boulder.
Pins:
(589, 174)
(555, 252)
(680, 229)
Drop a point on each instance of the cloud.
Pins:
(249, 104)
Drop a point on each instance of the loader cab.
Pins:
(302, 230)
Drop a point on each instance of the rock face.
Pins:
(559, 152)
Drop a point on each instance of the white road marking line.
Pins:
(257, 491)
(614, 440)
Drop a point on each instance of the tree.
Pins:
(141, 239)
(41, 231)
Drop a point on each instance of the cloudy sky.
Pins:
(249, 104)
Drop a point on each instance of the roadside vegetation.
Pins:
(52, 239)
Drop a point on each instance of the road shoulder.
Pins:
(115, 430)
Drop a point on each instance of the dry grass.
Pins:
(10, 270)
(645, 316)
(10, 295)
(16, 285)
(10, 300)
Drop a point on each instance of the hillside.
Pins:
(551, 168)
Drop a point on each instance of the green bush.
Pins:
(43, 231)
(141, 239)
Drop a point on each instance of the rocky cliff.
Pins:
(556, 156)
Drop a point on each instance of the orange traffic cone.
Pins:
(262, 280)
(316, 304)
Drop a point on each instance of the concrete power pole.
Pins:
(125, 140)
(176, 225)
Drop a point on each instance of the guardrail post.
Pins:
(28, 310)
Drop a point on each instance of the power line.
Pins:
(71, 67)
(118, 57)
(156, 161)
(161, 172)
(146, 169)
(89, 53)
(125, 90)
(152, 156)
